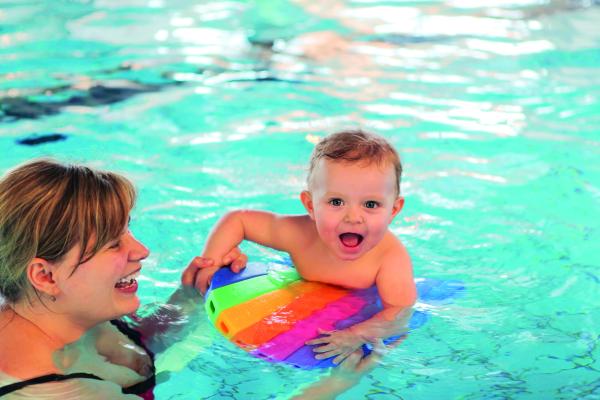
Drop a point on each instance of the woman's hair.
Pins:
(356, 146)
(47, 208)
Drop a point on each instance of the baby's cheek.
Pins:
(322, 221)
(380, 227)
(326, 230)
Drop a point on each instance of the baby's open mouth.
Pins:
(350, 239)
(128, 280)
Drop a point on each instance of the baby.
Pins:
(353, 195)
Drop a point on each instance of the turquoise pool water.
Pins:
(210, 106)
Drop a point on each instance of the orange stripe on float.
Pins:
(236, 318)
(284, 318)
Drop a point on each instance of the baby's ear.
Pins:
(306, 199)
(397, 207)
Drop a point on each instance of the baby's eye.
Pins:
(115, 245)
(336, 202)
(371, 204)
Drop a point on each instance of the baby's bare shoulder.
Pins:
(396, 273)
(292, 232)
(298, 225)
(394, 252)
(299, 220)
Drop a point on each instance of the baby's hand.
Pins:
(235, 259)
(338, 344)
(191, 275)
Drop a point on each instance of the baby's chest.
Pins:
(354, 276)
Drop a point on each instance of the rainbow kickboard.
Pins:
(270, 312)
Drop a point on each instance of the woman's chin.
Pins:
(128, 306)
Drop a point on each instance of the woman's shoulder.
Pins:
(74, 388)
(125, 360)
(80, 367)
(116, 331)
(24, 352)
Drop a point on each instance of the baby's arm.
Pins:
(396, 287)
(257, 226)
(398, 293)
(265, 228)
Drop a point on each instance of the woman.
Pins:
(68, 269)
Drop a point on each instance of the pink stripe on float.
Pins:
(281, 346)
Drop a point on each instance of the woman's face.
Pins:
(105, 286)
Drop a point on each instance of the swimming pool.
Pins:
(210, 106)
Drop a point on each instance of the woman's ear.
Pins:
(306, 199)
(40, 275)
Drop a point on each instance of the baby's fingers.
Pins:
(324, 348)
(239, 263)
(231, 256)
(329, 354)
(319, 340)
(235, 259)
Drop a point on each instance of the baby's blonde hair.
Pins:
(356, 146)
(47, 208)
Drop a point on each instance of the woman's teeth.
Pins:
(127, 280)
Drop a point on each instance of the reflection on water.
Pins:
(217, 105)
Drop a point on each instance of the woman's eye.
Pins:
(336, 202)
(371, 204)
(115, 245)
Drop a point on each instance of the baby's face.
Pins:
(352, 205)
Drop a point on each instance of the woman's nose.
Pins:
(137, 249)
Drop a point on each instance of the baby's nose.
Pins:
(353, 216)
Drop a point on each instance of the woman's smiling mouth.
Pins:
(128, 282)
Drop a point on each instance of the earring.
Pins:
(52, 298)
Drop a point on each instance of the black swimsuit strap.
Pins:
(136, 337)
(13, 387)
